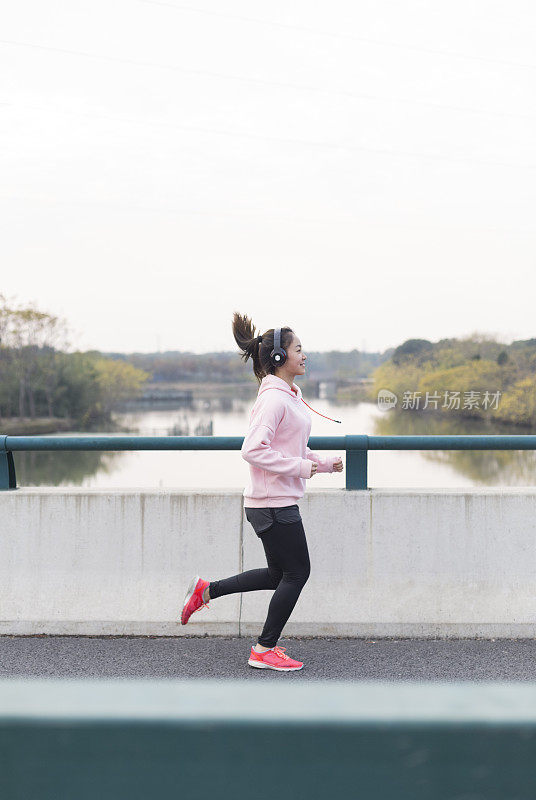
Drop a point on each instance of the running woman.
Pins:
(279, 463)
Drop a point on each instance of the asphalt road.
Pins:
(226, 657)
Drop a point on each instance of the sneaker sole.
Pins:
(188, 596)
(261, 665)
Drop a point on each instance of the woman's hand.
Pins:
(337, 466)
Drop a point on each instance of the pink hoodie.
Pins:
(275, 446)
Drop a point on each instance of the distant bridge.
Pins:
(152, 394)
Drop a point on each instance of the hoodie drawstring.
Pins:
(321, 415)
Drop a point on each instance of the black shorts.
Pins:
(262, 519)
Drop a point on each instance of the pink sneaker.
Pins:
(274, 659)
(193, 599)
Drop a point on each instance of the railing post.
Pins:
(8, 479)
(356, 461)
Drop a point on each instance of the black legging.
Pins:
(288, 568)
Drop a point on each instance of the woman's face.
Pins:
(295, 363)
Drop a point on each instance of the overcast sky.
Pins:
(362, 171)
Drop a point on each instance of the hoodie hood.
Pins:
(273, 382)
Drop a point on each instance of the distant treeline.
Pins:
(40, 379)
(474, 368)
(228, 367)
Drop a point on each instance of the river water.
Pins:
(227, 470)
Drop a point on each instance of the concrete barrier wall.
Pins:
(383, 562)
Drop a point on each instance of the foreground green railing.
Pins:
(355, 447)
(264, 738)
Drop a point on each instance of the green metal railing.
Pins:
(355, 447)
(137, 738)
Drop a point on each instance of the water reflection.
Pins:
(62, 468)
(79, 468)
(482, 467)
(183, 427)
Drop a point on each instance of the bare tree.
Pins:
(32, 337)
